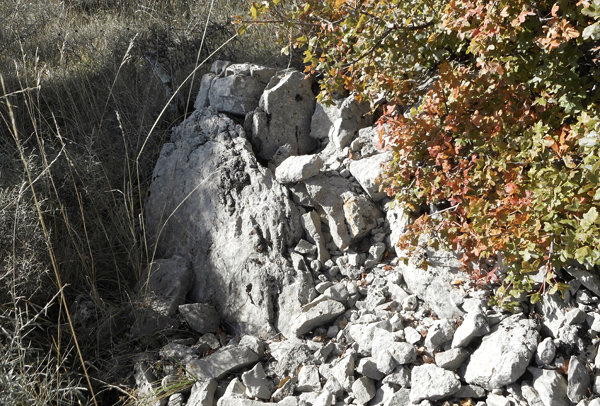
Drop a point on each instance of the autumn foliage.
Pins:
(492, 115)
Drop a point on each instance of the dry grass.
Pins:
(83, 114)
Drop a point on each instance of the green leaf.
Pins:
(536, 297)
(589, 218)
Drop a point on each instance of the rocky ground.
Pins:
(275, 247)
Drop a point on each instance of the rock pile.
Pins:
(279, 256)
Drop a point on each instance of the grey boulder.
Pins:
(210, 201)
(431, 382)
(297, 168)
(503, 355)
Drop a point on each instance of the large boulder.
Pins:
(211, 202)
(233, 89)
(283, 117)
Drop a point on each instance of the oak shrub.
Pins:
(492, 114)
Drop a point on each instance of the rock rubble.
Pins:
(279, 255)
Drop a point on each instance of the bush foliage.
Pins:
(492, 114)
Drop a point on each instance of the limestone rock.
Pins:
(434, 285)
(340, 121)
(503, 355)
(222, 362)
(297, 168)
(288, 103)
(550, 386)
(308, 379)
(451, 359)
(366, 171)
(439, 334)
(163, 289)
(202, 393)
(257, 384)
(431, 382)
(363, 390)
(211, 201)
(545, 352)
(201, 317)
(236, 90)
(315, 314)
(474, 325)
(312, 225)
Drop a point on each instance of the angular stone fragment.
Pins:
(545, 351)
(297, 168)
(504, 355)
(315, 314)
(363, 390)
(257, 384)
(474, 325)
(451, 359)
(222, 362)
(201, 317)
(550, 386)
(578, 380)
(439, 334)
(202, 393)
(288, 104)
(366, 171)
(431, 382)
(312, 225)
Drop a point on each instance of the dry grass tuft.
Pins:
(83, 113)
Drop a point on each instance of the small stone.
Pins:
(377, 250)
(410, 303)
(474, 325)
(326, 398)
(575, 317)
(368, 367)
(201, 317)
(545, 352)
(257, 384)
(400, 377)
(403, 353)
(322, 286)
(235, 388)
(298, 168)
(363, 390)
(202, 393)
(411, 335)
(283, 391)
(305, 248)
(400, 398)
(439, 334)
(308, 379)
(432, 383)
(451, 359)
(470, 391)
(578, 380)
(175, 399)
(497, 400)
(337, 292)
(222, 362)
(530, 395)
(550, 386)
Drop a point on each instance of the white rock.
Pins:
(315, 314)
(289, 103)
(440, 332)
(550, 386)
(257, 384)
(297, 168)
(411, 335)
(202, 393)
(497, 400)
(363, 390)
(504, 355)
(578, 380)
(553, 309)
(431, 382)
(324, 399)
(410, 303)
(545, 352)
(212, 202)
(367, 171)
(341, 370)
(400, 398)
(309, 379)
(474, 325)
(403, 353)
(235, 388)
(368, 367)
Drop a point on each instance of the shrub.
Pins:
(492, 115)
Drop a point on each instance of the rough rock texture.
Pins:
(201, 317)
(297, 168)
(211, 202)
(202, 393)
(434, 285)
(550, 386)
(316, 314)
(340, 121)
(162, 290)
(222, 362)
(366, 171)
(431, 382)
(235, 89)
(284, 116)
(504, 355)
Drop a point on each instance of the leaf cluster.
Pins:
(492, 113)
